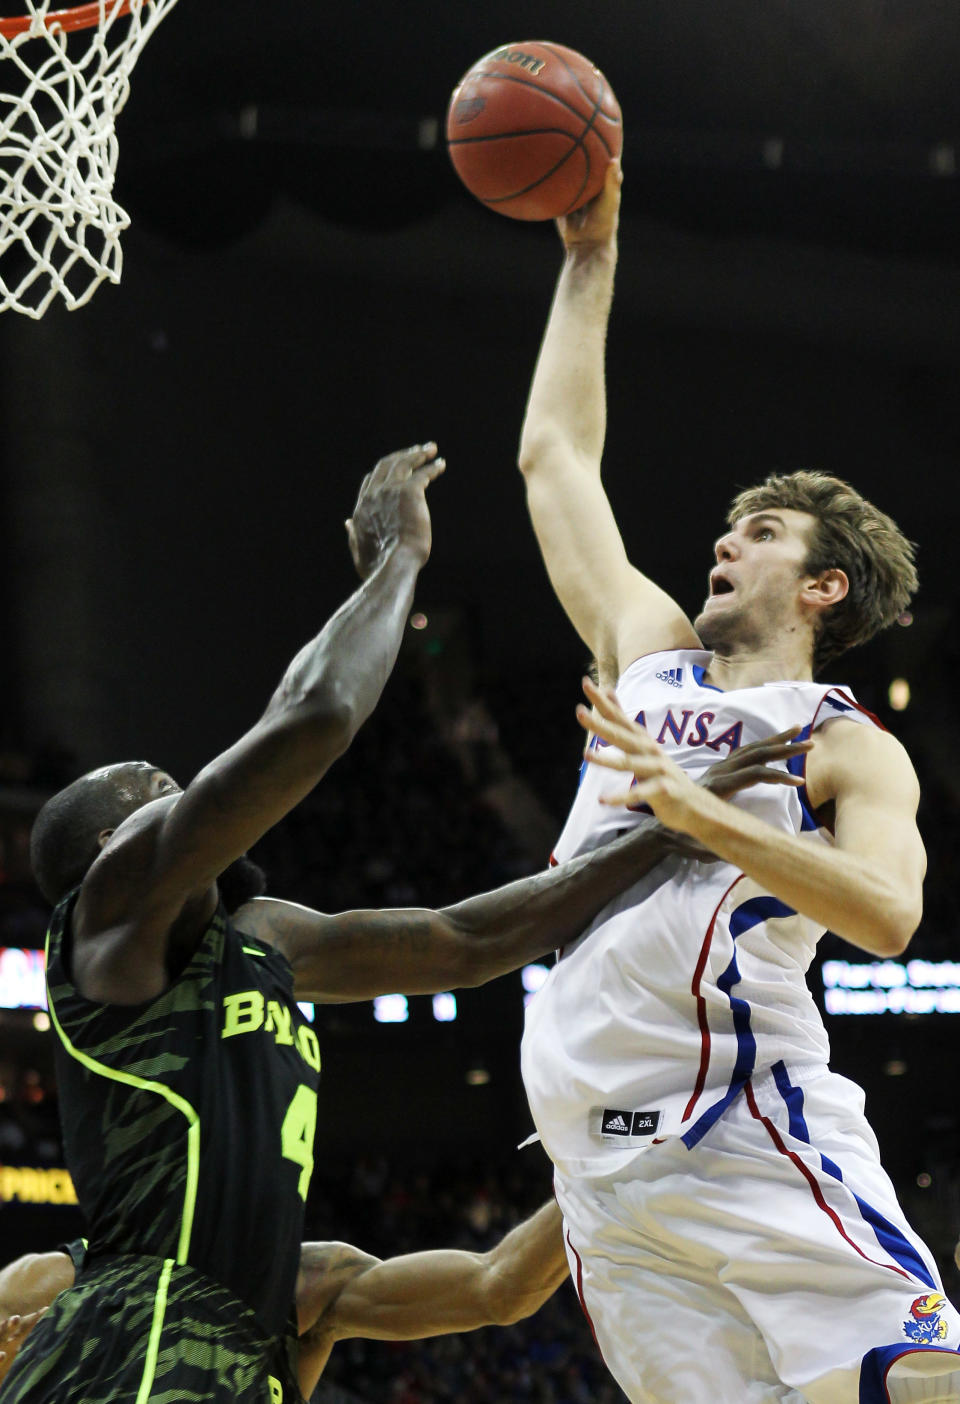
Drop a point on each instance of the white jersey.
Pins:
(693, 980)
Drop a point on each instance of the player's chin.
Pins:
(715, 626)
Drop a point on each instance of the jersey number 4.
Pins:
(296, 1134)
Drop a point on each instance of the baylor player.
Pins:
(187, 1076)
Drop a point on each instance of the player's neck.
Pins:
(785, 660)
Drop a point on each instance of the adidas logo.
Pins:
(616, 1124)
(673, 676)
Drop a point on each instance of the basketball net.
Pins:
(60, 226)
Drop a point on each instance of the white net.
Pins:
(60, 225)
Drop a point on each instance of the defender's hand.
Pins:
(751, 765)
(659, 781)
(595, 225)
(392, 508)
(14, 1330)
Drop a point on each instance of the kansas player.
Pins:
(728, 1222)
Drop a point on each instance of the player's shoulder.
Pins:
(852, 757)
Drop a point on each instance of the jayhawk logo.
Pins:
(924, 1325)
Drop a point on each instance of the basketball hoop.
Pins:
(60, 226)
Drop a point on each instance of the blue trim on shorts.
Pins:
(876, 1363)
(748, 914)
(889, 1237)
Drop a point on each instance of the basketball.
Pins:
(531, 129)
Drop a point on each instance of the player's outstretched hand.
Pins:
(596, 223)
(14, 1330)
(392, 508)
(657, 779)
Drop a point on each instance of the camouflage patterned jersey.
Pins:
(188, 1125)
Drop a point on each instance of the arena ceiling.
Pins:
(838, 119)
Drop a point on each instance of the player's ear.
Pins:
(103, 835)
(826, 589)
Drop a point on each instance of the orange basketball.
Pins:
(531, 129)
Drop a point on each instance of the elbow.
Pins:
(897, 936)
(329, 711)
(903, 921)
(503, 1307)
(538, 445)
(891, 932)
(470, 969)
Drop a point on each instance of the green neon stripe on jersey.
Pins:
(248, 950)
(176, 1101)
(153, 1345)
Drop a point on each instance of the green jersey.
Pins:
(188, 1121)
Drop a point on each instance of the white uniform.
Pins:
(729, 1226)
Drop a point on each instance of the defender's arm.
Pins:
(360, 954)
(346, 1293)
(357, 955)
(617, 611)
(167, 856)
(31, 1282)
(27, 1288)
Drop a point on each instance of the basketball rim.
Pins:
(75, 17)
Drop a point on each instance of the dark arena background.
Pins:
(306, 287)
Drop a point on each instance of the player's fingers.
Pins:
(755, 775)
(401, 464)
(783, 742)
(626, 735)
(641, 766)
(628, 799)
(606, 704)
(607, 760)
(604, 699)
(428, 471)
(768, 751)
(607, 731)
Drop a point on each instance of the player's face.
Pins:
(755, 586)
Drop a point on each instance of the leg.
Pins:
(668, 1331)
(846, 1295)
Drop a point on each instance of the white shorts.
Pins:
(770, 1262)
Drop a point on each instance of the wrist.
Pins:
(705, 816)
(600, 254)
(402, 555)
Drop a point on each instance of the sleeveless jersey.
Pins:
(650, 1024)
(188, 1121)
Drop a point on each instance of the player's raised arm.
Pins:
(344, 1293)
(616, 610)
(157, 872)
(361, 954)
